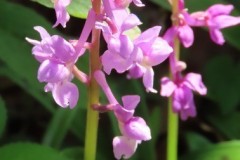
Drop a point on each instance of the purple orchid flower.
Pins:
(61, 13)
(215, 18)
(57, 57)
(134, 129)
(181, 91)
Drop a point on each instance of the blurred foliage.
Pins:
(61, 135)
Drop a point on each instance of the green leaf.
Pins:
(77, 8)
(75, 153)
(222, 79)
(196, 141)
(15, 52)
(3, 116)
(223, 151)
(226, 124)
(29, 151)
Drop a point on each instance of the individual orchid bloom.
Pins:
(121, 52)
(154, 50)
(57, 58)
(182, 30)
(215, 18)
(181, 92)
(61, 12)
(134, 130)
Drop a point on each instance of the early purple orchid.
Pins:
(134, 129)
(215, 18)
(181, 91)
(61, 13)
(57, 58)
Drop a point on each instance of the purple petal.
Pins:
(169, 35)
(148, 35)
(43, 33)
(49, 87)
(167, 87)
(130, 22)
(124, 147)
(65, 94)
(182, 96)
(224, 21)
(194, 82)
(126, 47)
(52, 72)
(148, 78)
(123, 114)
(138, 3)
(136, 71)
(220, 9)
(217, 36)
(130, 102)
(136, 128)
(112, 60)
(189, 111)
(61, 13)
(186, 36)
(159, 52)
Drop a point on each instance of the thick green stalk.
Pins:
(93, 93)
(172, 139)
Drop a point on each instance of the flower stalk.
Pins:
(93, 92)
(172, 136)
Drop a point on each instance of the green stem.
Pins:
(172, 139)
(93, 93)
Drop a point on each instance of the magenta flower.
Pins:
(215, 18)
(57, 58)
(125, 3)
(181, 92)
(61, 13)
(134, 130)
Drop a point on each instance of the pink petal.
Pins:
(136, 128)
(112, 60)
(123, 114)
(148, 78)
(186, 36)
(138, 3)
(130, 102)
(148, 35)
(194, 82)
(167, 87)
(189, 111)
(216, 36)
(65, 94)
(224, 21)
(124, 147)
(52, 72)
(126, 47)
(136, 71)
(159, 52)
(43, 33)
(220, 9)
(130, 22)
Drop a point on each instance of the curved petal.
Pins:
(136, 128)
(148, 78)
(224, 21)
(126, 47)
(186, 36)
(194, 82)
(138, 3)
(43, 33)
(189, 111)
(159, 52)
(219, 9)
(123, 114)
(124, 147)
(167, 87)
(136, 71)
(130, 22)
(65, 94)
(148, 35)
(130, 102)
(216, 36)
(52, 72)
